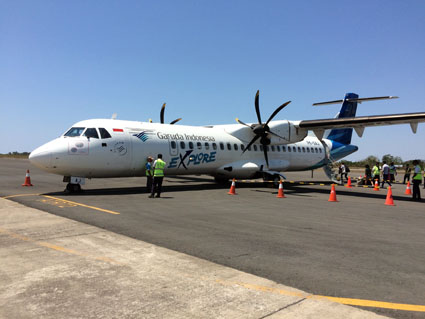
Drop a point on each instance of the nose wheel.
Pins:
(73, 188)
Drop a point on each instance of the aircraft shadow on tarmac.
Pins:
(297, 189)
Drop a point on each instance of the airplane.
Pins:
(106, 148)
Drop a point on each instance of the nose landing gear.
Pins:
(74, 184)
(73, 188)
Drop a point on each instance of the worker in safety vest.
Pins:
(158, 176)
(149, 174)
(416, 179)
(376, 172)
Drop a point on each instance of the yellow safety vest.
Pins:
(418, 175)
(159, 168)
(375, 170)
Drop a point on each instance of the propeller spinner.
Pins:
(262, 130)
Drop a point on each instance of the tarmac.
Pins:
(199, 253)
(54, 267)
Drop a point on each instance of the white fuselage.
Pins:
(215, 150)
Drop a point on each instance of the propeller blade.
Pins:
(265, 155)
(277, 111)
(161, 115)
(250, 143)
(240, 122)
(175, 121)
(257, 106)
(272, 133)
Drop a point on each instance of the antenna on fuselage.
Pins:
(114, 116)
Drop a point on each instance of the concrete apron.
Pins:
(53, 267)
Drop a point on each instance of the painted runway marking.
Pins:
(62, 203)
(68, 202)
(345, 301)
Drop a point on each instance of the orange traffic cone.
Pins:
(389, 200)
(408, 189)
(349, 183)
(232, 188)
(27, 179)
(280, 193)
(332, 196)
(376, 188)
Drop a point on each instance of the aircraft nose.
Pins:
(41, 158)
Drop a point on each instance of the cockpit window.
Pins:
(91, 132)
(104, 133)
(74, 131)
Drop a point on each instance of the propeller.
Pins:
(262, 130)
(161, 116)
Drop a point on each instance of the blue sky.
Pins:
(65, 61)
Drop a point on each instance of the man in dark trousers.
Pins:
(149, 174)
(158, 176)
(416, 179)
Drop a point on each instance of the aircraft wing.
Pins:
(360, 122)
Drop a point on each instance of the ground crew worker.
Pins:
(158, 176)
(407, 172)
(393, 172)
(416, 179)
(149, 174)
(375, 172)
(385, 174)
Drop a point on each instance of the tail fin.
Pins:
(348, 109)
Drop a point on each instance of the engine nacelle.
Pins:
(288, 130)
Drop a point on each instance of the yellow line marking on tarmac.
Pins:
(59, 248)
(82, 205)
(345, 301)
(20, 195)
(58, 201)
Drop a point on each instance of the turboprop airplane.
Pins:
(104, 148)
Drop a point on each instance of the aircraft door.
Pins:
(174, 148)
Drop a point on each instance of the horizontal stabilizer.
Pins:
(359, 100)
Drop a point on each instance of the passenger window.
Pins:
(75, 131)
(242, 147)
(214, 145)
(229, 147)
(222, 146)
(272, 148)
(182, 145)
(235, 146)
(104, 133)
(249, 148)
(294, 148)
(261, 147)
(207, 146)
(320, 150)
(255, 147)
(173, 145)
(199, 145)
(289, 149)
(283, 148)
(91, 132)
(308, 149)
(303, 149)
(191, 145)
(299, 149)
(278, 148)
